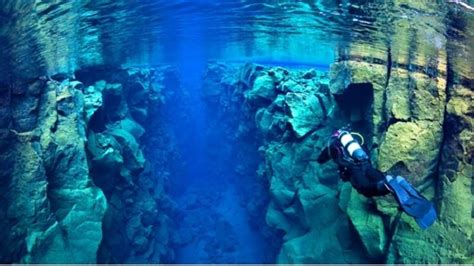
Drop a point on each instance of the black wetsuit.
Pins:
(365, 179)
(363, 176)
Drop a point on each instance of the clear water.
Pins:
(64, 35)
(69, 35)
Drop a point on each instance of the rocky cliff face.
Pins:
(412, 129)
(135, 225)
(76, 184)
(51, 210)
(415, 112)
(294, 113)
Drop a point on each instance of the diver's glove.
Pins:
(411, 201)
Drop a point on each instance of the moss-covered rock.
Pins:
(398, 93)
(411, 149)
(306, 112)
(429, 97)
(369, 225)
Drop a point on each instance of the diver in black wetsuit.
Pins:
(355, 166)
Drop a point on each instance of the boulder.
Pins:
(368, 224)
(270, 124)
(291, 86)
(92, 101)
(133, 158)
(309, 74)
(305, 111)
(263, 90)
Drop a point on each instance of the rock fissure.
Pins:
(86, 170)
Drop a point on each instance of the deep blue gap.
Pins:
(213, 223)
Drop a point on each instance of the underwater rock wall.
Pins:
(419, 125)
(418, 118)
(294, 113)
(412, 129)
(76, 184)
(119, 112)
(51, 210)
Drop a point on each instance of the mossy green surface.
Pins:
(411, 149)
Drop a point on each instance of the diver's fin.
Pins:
(412, 202)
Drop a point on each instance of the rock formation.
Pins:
(135, 225)
(86, 152)
(52, 210)
(75, 177)
(408, 124)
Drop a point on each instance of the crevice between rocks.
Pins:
(386, 123)
(446, 130)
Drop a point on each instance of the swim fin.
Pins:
(412, 202)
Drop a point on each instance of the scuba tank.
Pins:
(350, 147)
(343, 147)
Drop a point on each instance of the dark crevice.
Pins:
(447, 130)
(393, 120)
(323, 107)
(385, 115)
(411, 55)
(392, 230)
(96, 122)
(389, 65)
(357, 104)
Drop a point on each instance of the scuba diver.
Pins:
(355, 166)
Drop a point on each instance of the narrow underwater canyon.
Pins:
(112, 154)
(233, 178)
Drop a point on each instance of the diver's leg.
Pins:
(366, 181)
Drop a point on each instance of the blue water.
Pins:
(212, 221)
(210, 202)
(213, 224)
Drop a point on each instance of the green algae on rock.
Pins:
(406, 122)
(305, 203)
(306, 113)
(57, 209)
